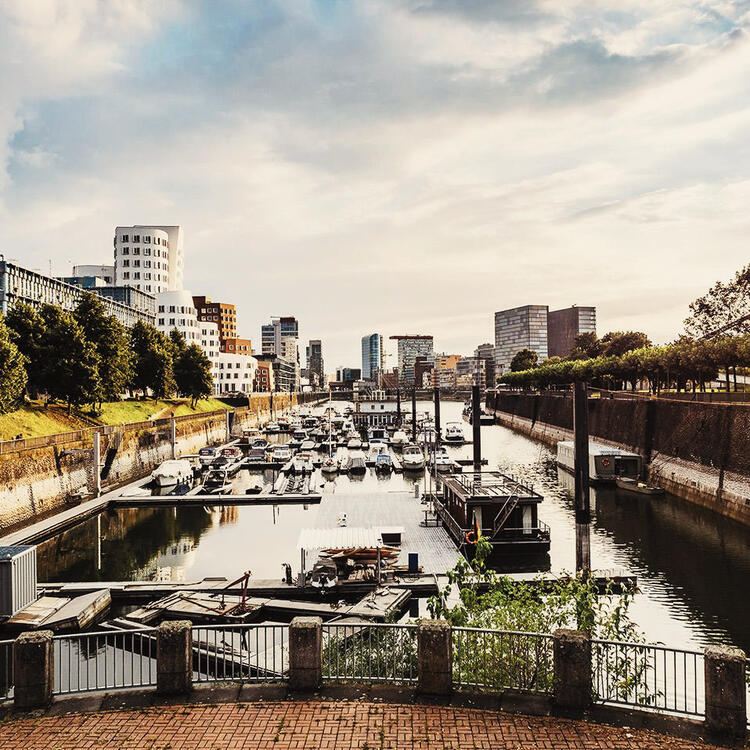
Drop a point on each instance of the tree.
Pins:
(525, 359)
(178, 342)
(724, 308)
(110, 340)
(152, 361)
(193, 373)
(12, 372)
(587, 345)
(617, 343)
(70, 369)
(26, 328)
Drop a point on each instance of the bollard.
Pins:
(33, 669)
(174, 657)
(724, 674)
(572, 659)
(305, 653)
(434, 657)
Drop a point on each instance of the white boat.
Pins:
(207, 455)
(330, 465)
(399, 439)
(412, 458)
(606, 462)
(354, 443)
(454, 432)
(172, 472)
(272, 427)
(280, 454)
(307, 445)
(441, 461)
(295, 425)
(354, 462)
(302, 463)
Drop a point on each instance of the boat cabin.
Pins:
(499, 508)
(606, 462)
(371, 413)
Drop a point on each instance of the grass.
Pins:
(33, 419)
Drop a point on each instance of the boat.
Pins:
(307, 446)
(330, 465)
(272, 428)
(633, 485)
(354, 443)
(377, 434)
(356, 462)
(256, 455)
(399, 439)
(295, 424)
(302, 463)
(310, 423)
(383, 461)
(412, 458)
(453, 433)
(249, 434)
(283, 424)
(207, 456)
(280, 454)
(606, 462)
(261, 443)
(298, 437)
(329, 446)
(484, 419)
(232, 452)
(172, 472)
(441, 461)
(217, 481)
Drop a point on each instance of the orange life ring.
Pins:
(605, 462)
(469, 535)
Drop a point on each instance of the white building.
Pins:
(236, 373)
(175, 310)
(209, 342)
(150, 258)
(105, 273)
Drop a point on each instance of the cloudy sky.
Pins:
(388, 165)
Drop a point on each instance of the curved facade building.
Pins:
(149, 258)
(176, 310)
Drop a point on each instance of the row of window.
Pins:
(183, 323)
(146, 240)
(146, 251)
(184, 309)
(146, 276)
(146, 264)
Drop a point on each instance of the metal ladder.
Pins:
(503, 514)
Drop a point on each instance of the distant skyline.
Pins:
(387, 165)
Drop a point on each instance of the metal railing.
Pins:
(648, 676)
(97, 661)
(370, 653)
(6, 669)
(240, 653)
(502, 660)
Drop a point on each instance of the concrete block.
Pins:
(572, 660)
(434, 657)
(174, 657)
(725, 694)
(305, 653)
(33, 669)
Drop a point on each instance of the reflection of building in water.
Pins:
(228, 514)
(170, 563)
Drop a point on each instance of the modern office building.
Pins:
(149, 257)
(236, 346)
(409, 348)
(348, 374)
(471, 371)
(278, 329)
(126, 295)
(285, 374)
(486, 352)
(105, 273)
(314, 360)
(564, 325)
(20, 284)
(520, 328)
(176, 310)
(221, 313)
(372, 356)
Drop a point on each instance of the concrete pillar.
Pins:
(725, 694)
(305, 653)
(434, 657)
(229, 426)
(97, 464)
(173, 431)
(33, 669)
(174, 657)
(572, 659)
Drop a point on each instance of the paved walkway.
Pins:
(293, 725)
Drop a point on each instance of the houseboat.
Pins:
(606, 462)
(491, 505)
(484, 419)
(377, 434)
(453, 433)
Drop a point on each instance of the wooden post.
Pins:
(414, 414)
(475, 427)
(581, 469)
(437, 417)
(398, 407)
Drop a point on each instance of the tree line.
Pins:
(88, 357)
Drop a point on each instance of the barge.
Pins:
(606, 462)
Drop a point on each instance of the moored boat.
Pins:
(633, 485)
(172, 472)
(412, 458)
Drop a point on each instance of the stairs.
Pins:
(504, 514)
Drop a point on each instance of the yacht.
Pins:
(298, 437)
(382, 458)
(354, 443)
(232, 452)
(207, 456)
(399, 439)
(307, 446)
(412, 458)
(330, 465)
(261, 443)
(281, 454)
(302, 463)
(354, 462)
(217, 481)
(283, 424)
(272, 428)
(454, 432)
(172, 472)
(441, 461)
(249, 434)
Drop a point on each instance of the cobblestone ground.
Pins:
(283, 726)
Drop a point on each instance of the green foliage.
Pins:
(12, 372)
(27, 328)
(152, 361)
(617, 343)
(178, 342)
(587, 346)
(724, 306)
(193, 373)
(524, 360)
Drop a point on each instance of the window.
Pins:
(126, 275)
(125, 263)
(126, 251)
(137, 263)
(147, 251)
(147, 240)
(136, 276)
(171, 321)
(136, 251)
(124, 238)
(147, 277)
(171, 308)
(161, 321)
(147, 264)
(136, 238)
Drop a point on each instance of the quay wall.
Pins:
(41, 476)
(699, 452)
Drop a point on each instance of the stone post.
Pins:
(725, 694)
(33, 669)
(305, 653)
(174, 657)
(572, 659)
(434, 657)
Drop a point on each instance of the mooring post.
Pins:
(475, 427)
(581, 469)
(437, 417)
(414, 414)
(97, 468)
(398, 407)
(174, 437)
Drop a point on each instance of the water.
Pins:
(692, 565)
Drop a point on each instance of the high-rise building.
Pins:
(105, 273)
(471, 371)
(487, 353)
(149, 257)
(348, 374)
(314, 359)
(278, 329)
(520, 328)
(372, 356)
(221, 313)
(176, 310)
(409, 348)
(564, 325)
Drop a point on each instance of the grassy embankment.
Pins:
(33, 419)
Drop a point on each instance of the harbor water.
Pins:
(692, 565)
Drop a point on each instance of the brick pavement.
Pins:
(319, 725)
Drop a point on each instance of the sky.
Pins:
(391, 166)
